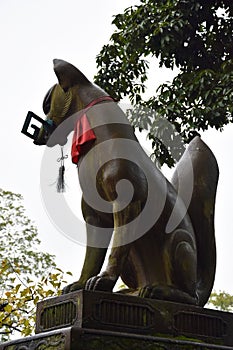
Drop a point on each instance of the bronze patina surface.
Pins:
(176, 264)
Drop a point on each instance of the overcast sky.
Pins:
(32, 34)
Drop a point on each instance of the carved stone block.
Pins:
(129, 314)
(87, 339)
(57, 340)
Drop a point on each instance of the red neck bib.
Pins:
(83, 134)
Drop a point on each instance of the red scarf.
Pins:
(83, 134)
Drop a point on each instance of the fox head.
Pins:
(70, 95)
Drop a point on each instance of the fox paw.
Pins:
(73, 287)
(104, 283)
(167, 293)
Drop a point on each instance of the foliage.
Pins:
(26, 274)
(193, 35)
(221, 301)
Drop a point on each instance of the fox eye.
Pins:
(47, 100)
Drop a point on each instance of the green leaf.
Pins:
(176, 32)
(23, 267)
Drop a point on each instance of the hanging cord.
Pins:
(61, 174)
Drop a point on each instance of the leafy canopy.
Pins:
(221, 300)
(27, 275)
(193, 35)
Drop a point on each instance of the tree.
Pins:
(193, 35)
(26, 274)
(221, 301)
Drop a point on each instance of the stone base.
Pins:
(87, 320)
(86, 339)
(129, 314)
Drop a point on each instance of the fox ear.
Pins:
(68, 75)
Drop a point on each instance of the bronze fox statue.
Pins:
(176, 264)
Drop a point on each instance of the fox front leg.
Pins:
(119, 253)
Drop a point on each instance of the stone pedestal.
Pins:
(86, 320)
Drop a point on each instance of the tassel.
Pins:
(61, 179)
(61, 174)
